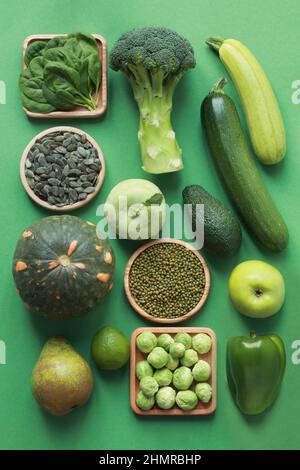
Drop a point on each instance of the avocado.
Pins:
(222, 231)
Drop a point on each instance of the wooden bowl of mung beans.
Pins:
(167, 281)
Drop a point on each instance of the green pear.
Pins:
(61, 380)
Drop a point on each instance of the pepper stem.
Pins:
(215, 43)
(218, 87)
(252, 334)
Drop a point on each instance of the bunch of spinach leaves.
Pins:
(61, 73)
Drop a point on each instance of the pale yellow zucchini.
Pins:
(260, 106)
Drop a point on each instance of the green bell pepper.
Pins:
(255, 369)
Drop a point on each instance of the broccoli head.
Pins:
(154, 60)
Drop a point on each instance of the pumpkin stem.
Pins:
(64, 260)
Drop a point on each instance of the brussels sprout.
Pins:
(164, 341)
(203, 392)
(146, 341)
(158, 358)
(165, 398)
(190, 358)
(163, 377)
(182, 378)
(143, 369)
(201, 371)
(143, 402)
(183, 338)
(172, 363)
(186, 400)
(202, 343)
(177, 350)
(149, 386)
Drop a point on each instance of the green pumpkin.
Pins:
(61, 268)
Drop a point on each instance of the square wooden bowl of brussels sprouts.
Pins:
(164, 384)
(76, 111)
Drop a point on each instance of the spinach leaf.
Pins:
(56, 100)
(84, 78)
(61, 73)
(25, 74)
(34, 49)
(62, 54)
(86, 42)
(35, 106)
(72, 47)
(32, 88)
(32, 93)
(94, 71)
(36, 66)
(57, 41)
(65, 81)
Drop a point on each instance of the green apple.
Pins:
(256, 289)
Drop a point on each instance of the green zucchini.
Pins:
(231, 154)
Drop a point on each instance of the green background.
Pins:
(271, 30)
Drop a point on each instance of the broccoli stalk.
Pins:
(159, 148)
(154, 60)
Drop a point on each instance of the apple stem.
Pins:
(252, 334)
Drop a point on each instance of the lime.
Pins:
(110, 348)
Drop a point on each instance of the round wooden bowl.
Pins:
(41, 202)
(139, 309)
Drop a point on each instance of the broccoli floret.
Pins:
(154, 60)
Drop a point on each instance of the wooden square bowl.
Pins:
(78, 111)
(210, 357)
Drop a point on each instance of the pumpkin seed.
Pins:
(51, 200)
(89, 190)
(72, 163)
(89, 161)
(53, 181)
(66, 170)
(59, 138)
(55, 191)
(73, 195)
(67, 142)
(61, 192)
(61, 149)
(74, 172)
(51, 158)
(29, 173)
(82, 151)
(40, 170)
(71, 147)
(95, 167)
(92, 176)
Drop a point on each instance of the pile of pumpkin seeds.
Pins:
(62, 168)
(167, 280)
